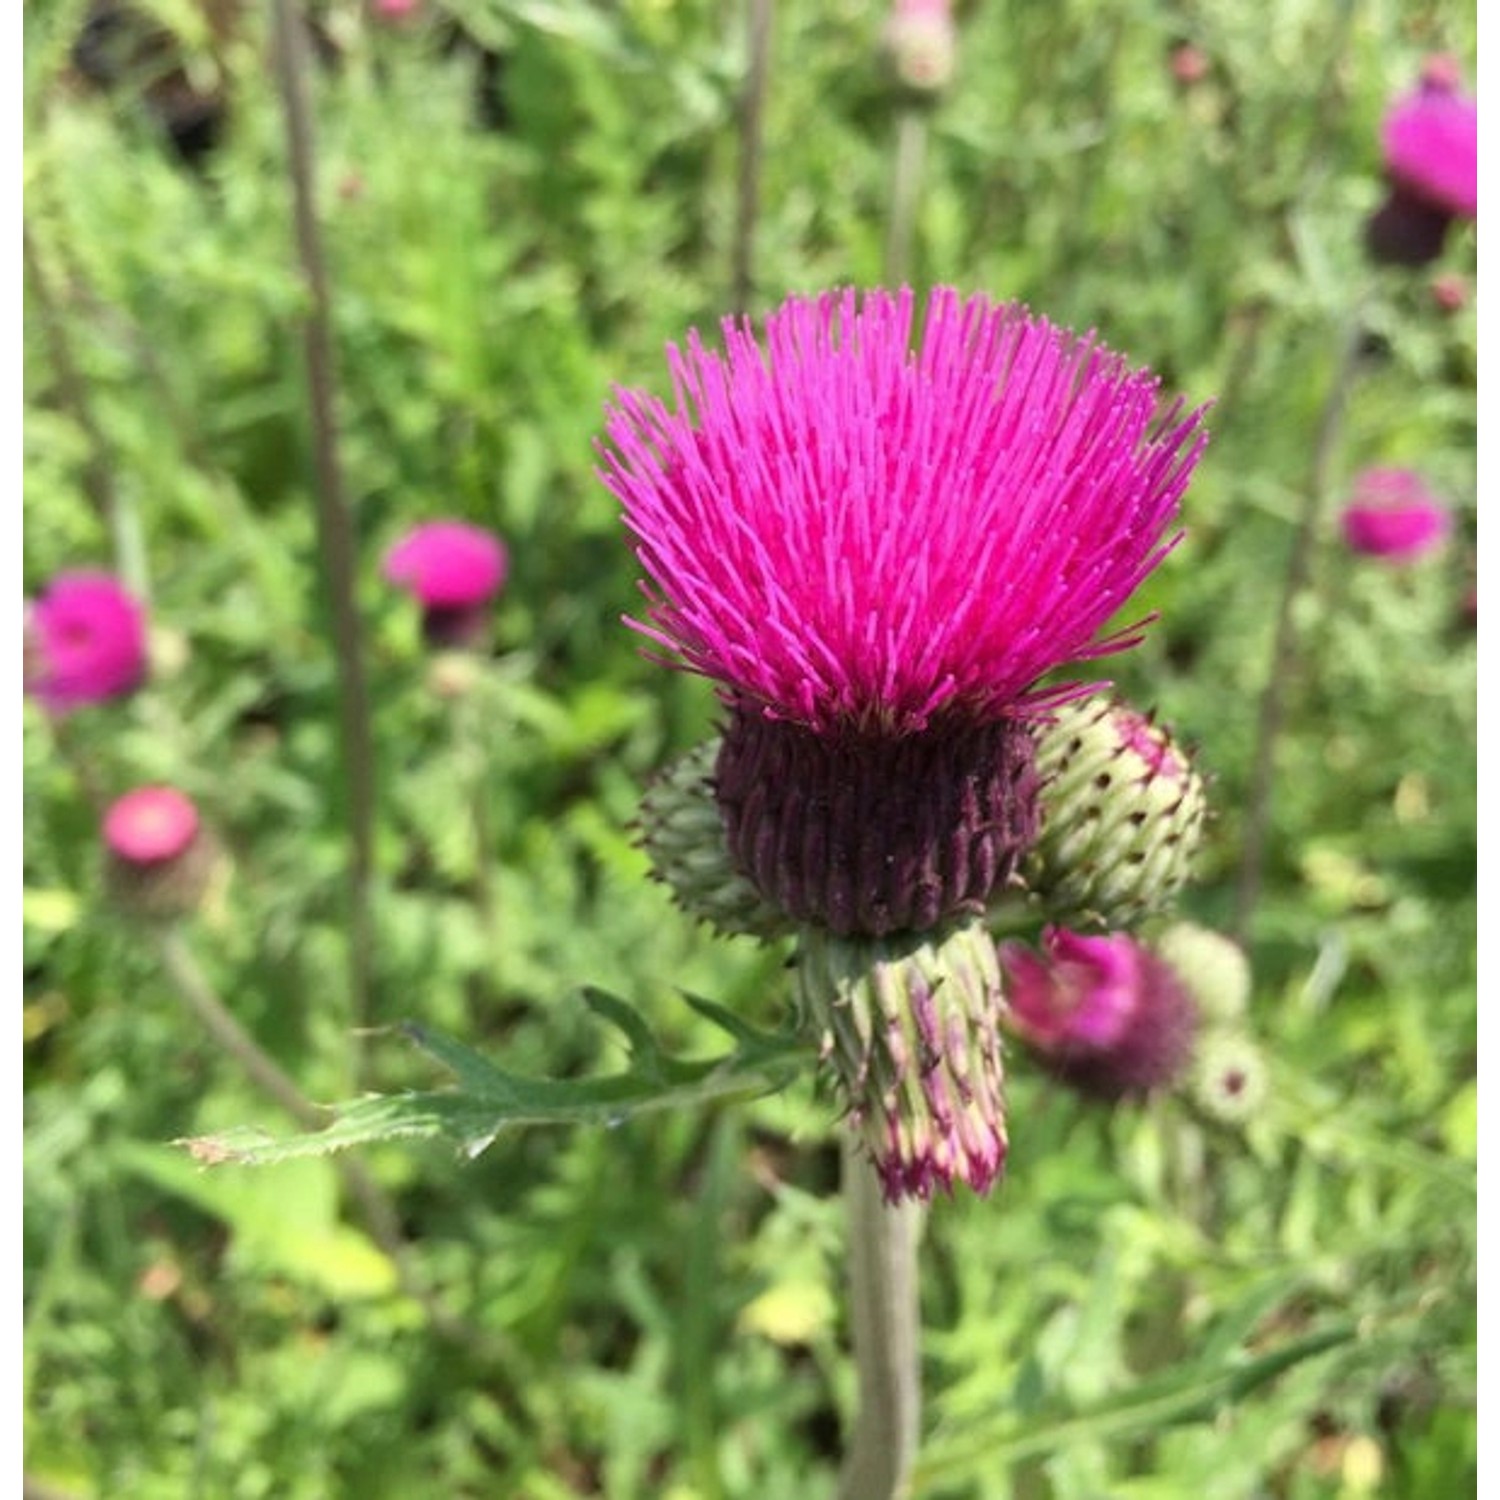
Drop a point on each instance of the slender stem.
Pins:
(1284, 647)
(886, 1325)
(759, 20)
(906, 193)
(335, 524)
(110, 503)
(474, 767)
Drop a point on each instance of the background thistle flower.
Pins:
(159, 859)
(85, 642)
(876, 551)
(1393, 515)
(1212, 966)
(910, 1027)
(454, 571)
(1104, 1013)
(1122, 816)
(682, 833)
(1229, 1079)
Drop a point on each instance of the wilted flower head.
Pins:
(85, 642)
(453, 570)
(159, 859)
(1105, 1014)
(877, 550)
(1430, 140)
(1395, 516)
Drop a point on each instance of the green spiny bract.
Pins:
(1122, 812)
(682, 832)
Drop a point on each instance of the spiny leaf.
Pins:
(489, 1100)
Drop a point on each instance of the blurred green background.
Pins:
(523, 200)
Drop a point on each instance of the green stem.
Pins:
(906, 193)
(1284, 649)
(759, 22)
(885, 1321)
(335, 523)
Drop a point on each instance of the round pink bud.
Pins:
(150, 825)
(85, 642)
(1189, 64)
(1393, 515)
(1430, 138)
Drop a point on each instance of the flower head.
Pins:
(922, 43)
(1430, 139)
(1103, 1013)
(453, 570)
(1393, 515)
(159, 859)
(876, 550)
(1430, 143)
(86, 642)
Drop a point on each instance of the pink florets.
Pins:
(857, 535)
(1430, 138)
(448, 564)
(1105, 1014)
(1395, 516)
(86, 642)
(150, 825)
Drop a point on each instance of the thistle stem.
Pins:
(906, 193)
(885, 1322)
(760, 17)
(1284, 648)
(336, 541)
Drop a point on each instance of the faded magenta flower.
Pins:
(1105, 1014)
(1430, 141)
(454, 571)
(159, 859)
(150, 824)
(1393, 515)
(922, 42)
(85, 642)
(876, 550)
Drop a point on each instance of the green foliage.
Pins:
(1150, 1305)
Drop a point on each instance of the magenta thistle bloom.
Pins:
(454, 571)
(159, 859)
(877, 550)
(1395, 516)
(1105, 1014)
(85, 642)
(150, 824)
(1430, 141)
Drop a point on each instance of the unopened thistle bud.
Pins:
(1104, 1014)
(1229, 1080)
(159, 859)
(682, 832)
(1122, 814)
(910, 1026)
(1212, 966)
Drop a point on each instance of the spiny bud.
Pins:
(910, 1026)
(682, 832)
(1229, 1081)
(1122, 814)
(159, 859)
(1212, 966)
(1104, 1014)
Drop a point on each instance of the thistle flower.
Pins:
(1104, 1014)
(159, 860)
(876, 552)
(1229, 1079)
(1430, 141)
(922, 43)
(1122, 815)
(1393, 515)
(910, 1025)
(85, 642)
(454, 571)
(1212, 966)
